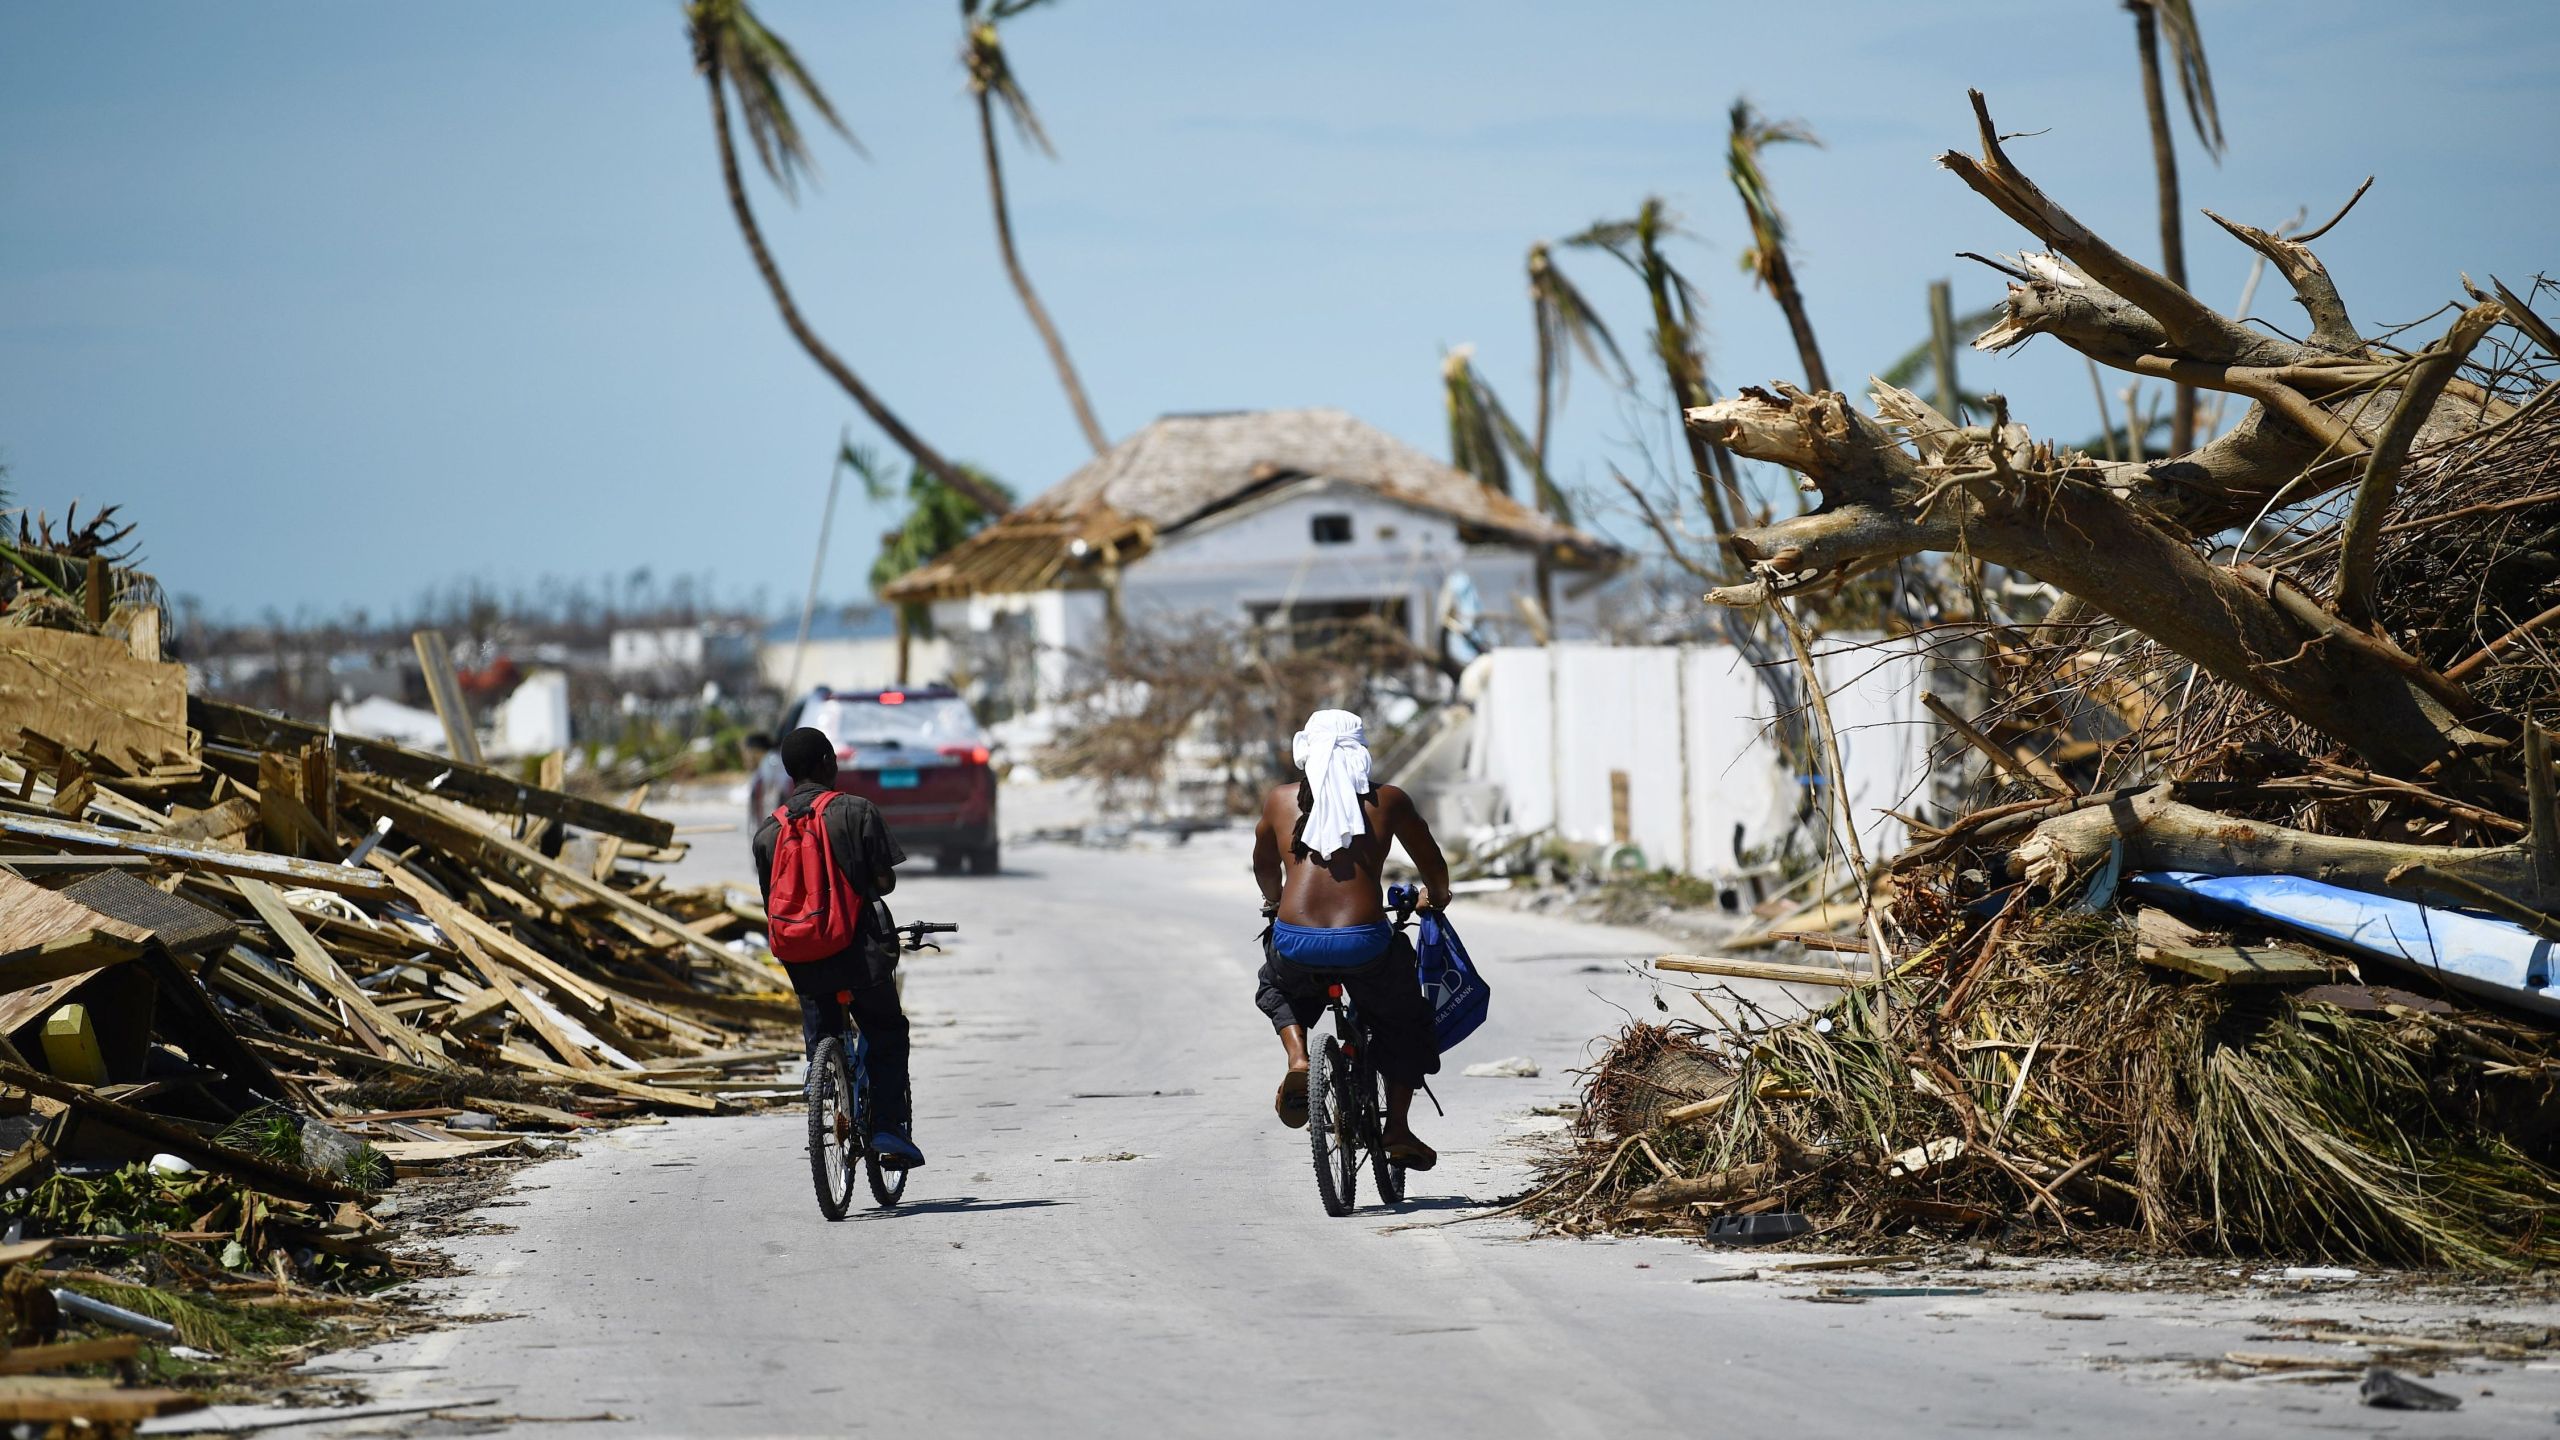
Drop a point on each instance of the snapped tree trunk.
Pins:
(1039, 313)
(2124, 538)
(987, 497)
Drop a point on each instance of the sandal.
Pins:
(1291, 1102)
(1412, 1154)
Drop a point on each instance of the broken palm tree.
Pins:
(2317, 646)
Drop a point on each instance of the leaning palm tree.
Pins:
(1766, 259)
(1484, 439)
(1637, 244)
(1565, 322)
(991, 81)
(2195, 80)
(733, 51)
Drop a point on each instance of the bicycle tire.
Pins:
(1389, 1174)
(1328, 1130)
(887, 1186)
(832, 1144)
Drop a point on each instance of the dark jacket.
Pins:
(868, 855)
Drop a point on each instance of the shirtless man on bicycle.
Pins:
(1317, 853)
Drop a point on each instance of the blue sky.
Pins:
(342, 301)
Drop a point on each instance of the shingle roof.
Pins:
(1184, 467)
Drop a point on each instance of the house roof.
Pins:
(1184, 468)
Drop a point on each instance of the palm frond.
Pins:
(990, 73)
(1752, 133)
(1483, 438)
(2195, 77)
(1565, 321)
(733, 47)
(865, 463)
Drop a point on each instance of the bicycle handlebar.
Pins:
(931, 927)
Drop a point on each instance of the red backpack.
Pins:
(810, 908)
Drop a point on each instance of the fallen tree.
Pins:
(2334, 418)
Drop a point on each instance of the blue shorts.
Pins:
(1345, 948)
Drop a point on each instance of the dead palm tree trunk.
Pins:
(880, 414)
(1031, 305)
(2164, 166)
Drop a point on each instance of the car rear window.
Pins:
(915, 724)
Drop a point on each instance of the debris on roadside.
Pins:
(255, 974)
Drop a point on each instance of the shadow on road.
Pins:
(958, 1205)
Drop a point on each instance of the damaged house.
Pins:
(1280, 518)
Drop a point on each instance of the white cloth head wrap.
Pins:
(1336, 761)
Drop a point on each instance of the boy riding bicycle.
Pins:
(1329, 920)
(860, 981)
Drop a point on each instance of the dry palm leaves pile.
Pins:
(2024, 1073)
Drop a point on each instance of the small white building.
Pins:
(1279, 517)
(678, 654)
(854, 648)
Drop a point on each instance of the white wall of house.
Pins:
(1688, 727)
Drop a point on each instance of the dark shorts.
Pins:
(1387, 992)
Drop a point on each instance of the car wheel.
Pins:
(947, 863)
(985, 860)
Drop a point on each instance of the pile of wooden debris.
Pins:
(2244, 947)
(253, 973)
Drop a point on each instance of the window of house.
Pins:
(1331, 529)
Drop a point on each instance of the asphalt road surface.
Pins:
(1115, 1237)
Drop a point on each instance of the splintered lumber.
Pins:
(444, 691)
(89, 693)
(321, 968)
(605, 1080)
(1762, 970)
(194, 854)
(29, 1359)
(31, 915)
(179, 1140)
(245, 728)
(419, 812)
(2240, 964)
(100, 1403)
(78, 953)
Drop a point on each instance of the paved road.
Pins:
(1115, 1234)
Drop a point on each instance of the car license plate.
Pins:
(897, 779)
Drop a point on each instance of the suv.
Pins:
(919, 754)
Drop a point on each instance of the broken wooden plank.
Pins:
(2240, 964)
(321, 968)
(421, 812)
(194, 854)
(444, 691)
(79, 953)
(1762, 970)
(58, 1401)
(30, 1359)
(606, 1080)
(250, 729)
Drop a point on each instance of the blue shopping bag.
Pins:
(1459, 996)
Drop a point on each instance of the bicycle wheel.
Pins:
(1390, 1175)
(1333, 1129)
(886, 1184)
(832, 1144)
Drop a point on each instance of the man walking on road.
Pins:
(1321, 887)
(861, 980)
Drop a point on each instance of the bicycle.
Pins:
(1346, 1098)
(840, 1108)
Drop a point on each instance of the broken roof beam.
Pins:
(193, 854)
(238, 725)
